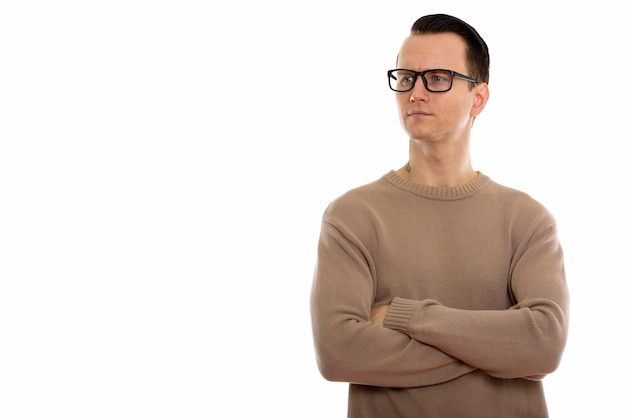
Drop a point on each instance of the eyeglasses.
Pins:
(437, 81)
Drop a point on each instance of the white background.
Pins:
(164, 166)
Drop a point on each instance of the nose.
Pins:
(419, 92)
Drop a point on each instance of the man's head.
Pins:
(440, 79)
(477, 54)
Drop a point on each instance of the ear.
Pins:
(481, 96)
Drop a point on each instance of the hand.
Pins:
(377, 315)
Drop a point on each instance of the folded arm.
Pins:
(525, 341)
(348, 345)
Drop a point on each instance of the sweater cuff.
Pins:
(399, 313)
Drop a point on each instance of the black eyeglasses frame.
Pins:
(453, 75)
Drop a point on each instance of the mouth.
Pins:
(417, 113)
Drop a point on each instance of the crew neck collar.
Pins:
(439, 193)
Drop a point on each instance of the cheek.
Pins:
(459, 115)
(401, 102)
(460, 108)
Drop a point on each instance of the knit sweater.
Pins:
(475, 279)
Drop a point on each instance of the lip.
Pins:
(417, 113)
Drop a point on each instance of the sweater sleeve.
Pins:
(524, 341)
(349, 347)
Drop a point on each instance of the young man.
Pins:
(438, 292)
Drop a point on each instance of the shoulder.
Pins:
(359, 212)
(358, 195)
(357, 199)
(521, 205)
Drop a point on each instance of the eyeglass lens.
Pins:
(435, 80)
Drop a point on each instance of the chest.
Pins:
(460, 264)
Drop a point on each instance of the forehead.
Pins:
(433, 50)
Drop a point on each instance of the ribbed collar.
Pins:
(439, 193)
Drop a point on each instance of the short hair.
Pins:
(477, 53)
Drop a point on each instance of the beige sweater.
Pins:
(479, 301)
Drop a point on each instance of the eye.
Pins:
(438, 77)
(407, 80)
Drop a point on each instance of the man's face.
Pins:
(433, 116)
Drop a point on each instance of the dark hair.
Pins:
(477, 54)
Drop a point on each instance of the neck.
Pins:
(438, 165)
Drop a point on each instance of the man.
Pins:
(437, 291)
